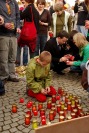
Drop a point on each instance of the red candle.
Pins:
(59, 90)
(35, 113)
(43, 117)
(69, 106)
(40, 106)
(21, 100)
(58, 97)
(51, 115)
(28, 105)
(29, 113)
(54, 99)
(14, 108)
(58, 108)
(34, 108)
(49, 105)
(42, 112)
(27, 119)
(43, 121)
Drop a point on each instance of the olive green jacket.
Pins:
(37, 77)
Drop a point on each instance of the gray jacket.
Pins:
(14, 17)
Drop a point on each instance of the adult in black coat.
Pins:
(56, 46)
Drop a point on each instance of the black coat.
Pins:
(52, 47)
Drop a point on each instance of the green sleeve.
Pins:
(48, 79)
(32, 84)
(85, 57)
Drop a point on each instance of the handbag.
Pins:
(28, 32)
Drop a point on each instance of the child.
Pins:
(39, 77)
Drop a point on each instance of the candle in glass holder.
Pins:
(73, 101)
(65, 112)
(76, 102)
(62, 105)
(60, 90)
(79, 110)
(58, 108)
(54, 111)
(29, 113)
(51, 115)
(75, 111)
(72, 107)
(69, 106)
(34, 108)
(21, 100)
(27, 119)
(40, 106)
(14, 108)
(61, 113)
(69, 117)
(34, 124)
(28, 105)
(73, 115)
(43, 117)
(49, 105)
(42, 112)
(58, 97)
(70, 96)
(61, 118)
(35, 113)
(43, 121)
(53, 98)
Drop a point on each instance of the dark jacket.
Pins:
(27, 15)
(53, 48)
(82, 11)
(8, 18)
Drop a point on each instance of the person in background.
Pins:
(82, 9)
(56, 46)
(51, 10)
(27, 14)
(61, 20)
(83, 45)
(87, 26)
(44, 23)
(9, 10)
(38, 77)
(22, 6)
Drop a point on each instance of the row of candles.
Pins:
(67, 107)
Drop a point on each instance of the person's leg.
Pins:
(37, 46)
(39, 96)
(78, 28)
(4, 50)
(43, 40)
(75, 69)
(83, 30)
(18, 55)
(58, 67)
(12, 56)
(25, 55)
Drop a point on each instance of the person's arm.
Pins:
(48, 78)
(85, 57)
(32, 84)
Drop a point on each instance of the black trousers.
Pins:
(58, 67)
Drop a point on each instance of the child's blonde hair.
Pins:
(45, 56)
(80, 40)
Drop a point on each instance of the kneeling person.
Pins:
(38, 77)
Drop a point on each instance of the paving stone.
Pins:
(13, 130)
(14, 124)
(7, 122)
(21, 127)
(7, 131)
(26, 130)
(6, 127)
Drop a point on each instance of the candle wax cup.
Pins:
(43, 121)
(28, 105)
(43, 117)
(35, 113)
(21, 100)
(57, 97)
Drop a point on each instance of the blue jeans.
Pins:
(41, 41)
(82, 29)
(78, 68)
(25, 55)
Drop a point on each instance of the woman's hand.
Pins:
(44, 91)
(70, 63)
(47, 89)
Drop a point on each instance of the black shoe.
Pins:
(2, 88)
(60, 73)
(13, 79)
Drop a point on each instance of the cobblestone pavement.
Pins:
(15, 123)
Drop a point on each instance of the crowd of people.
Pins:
(58, 44)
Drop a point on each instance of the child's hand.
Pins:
(69, 63)
(44, 91)
(47, 89)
